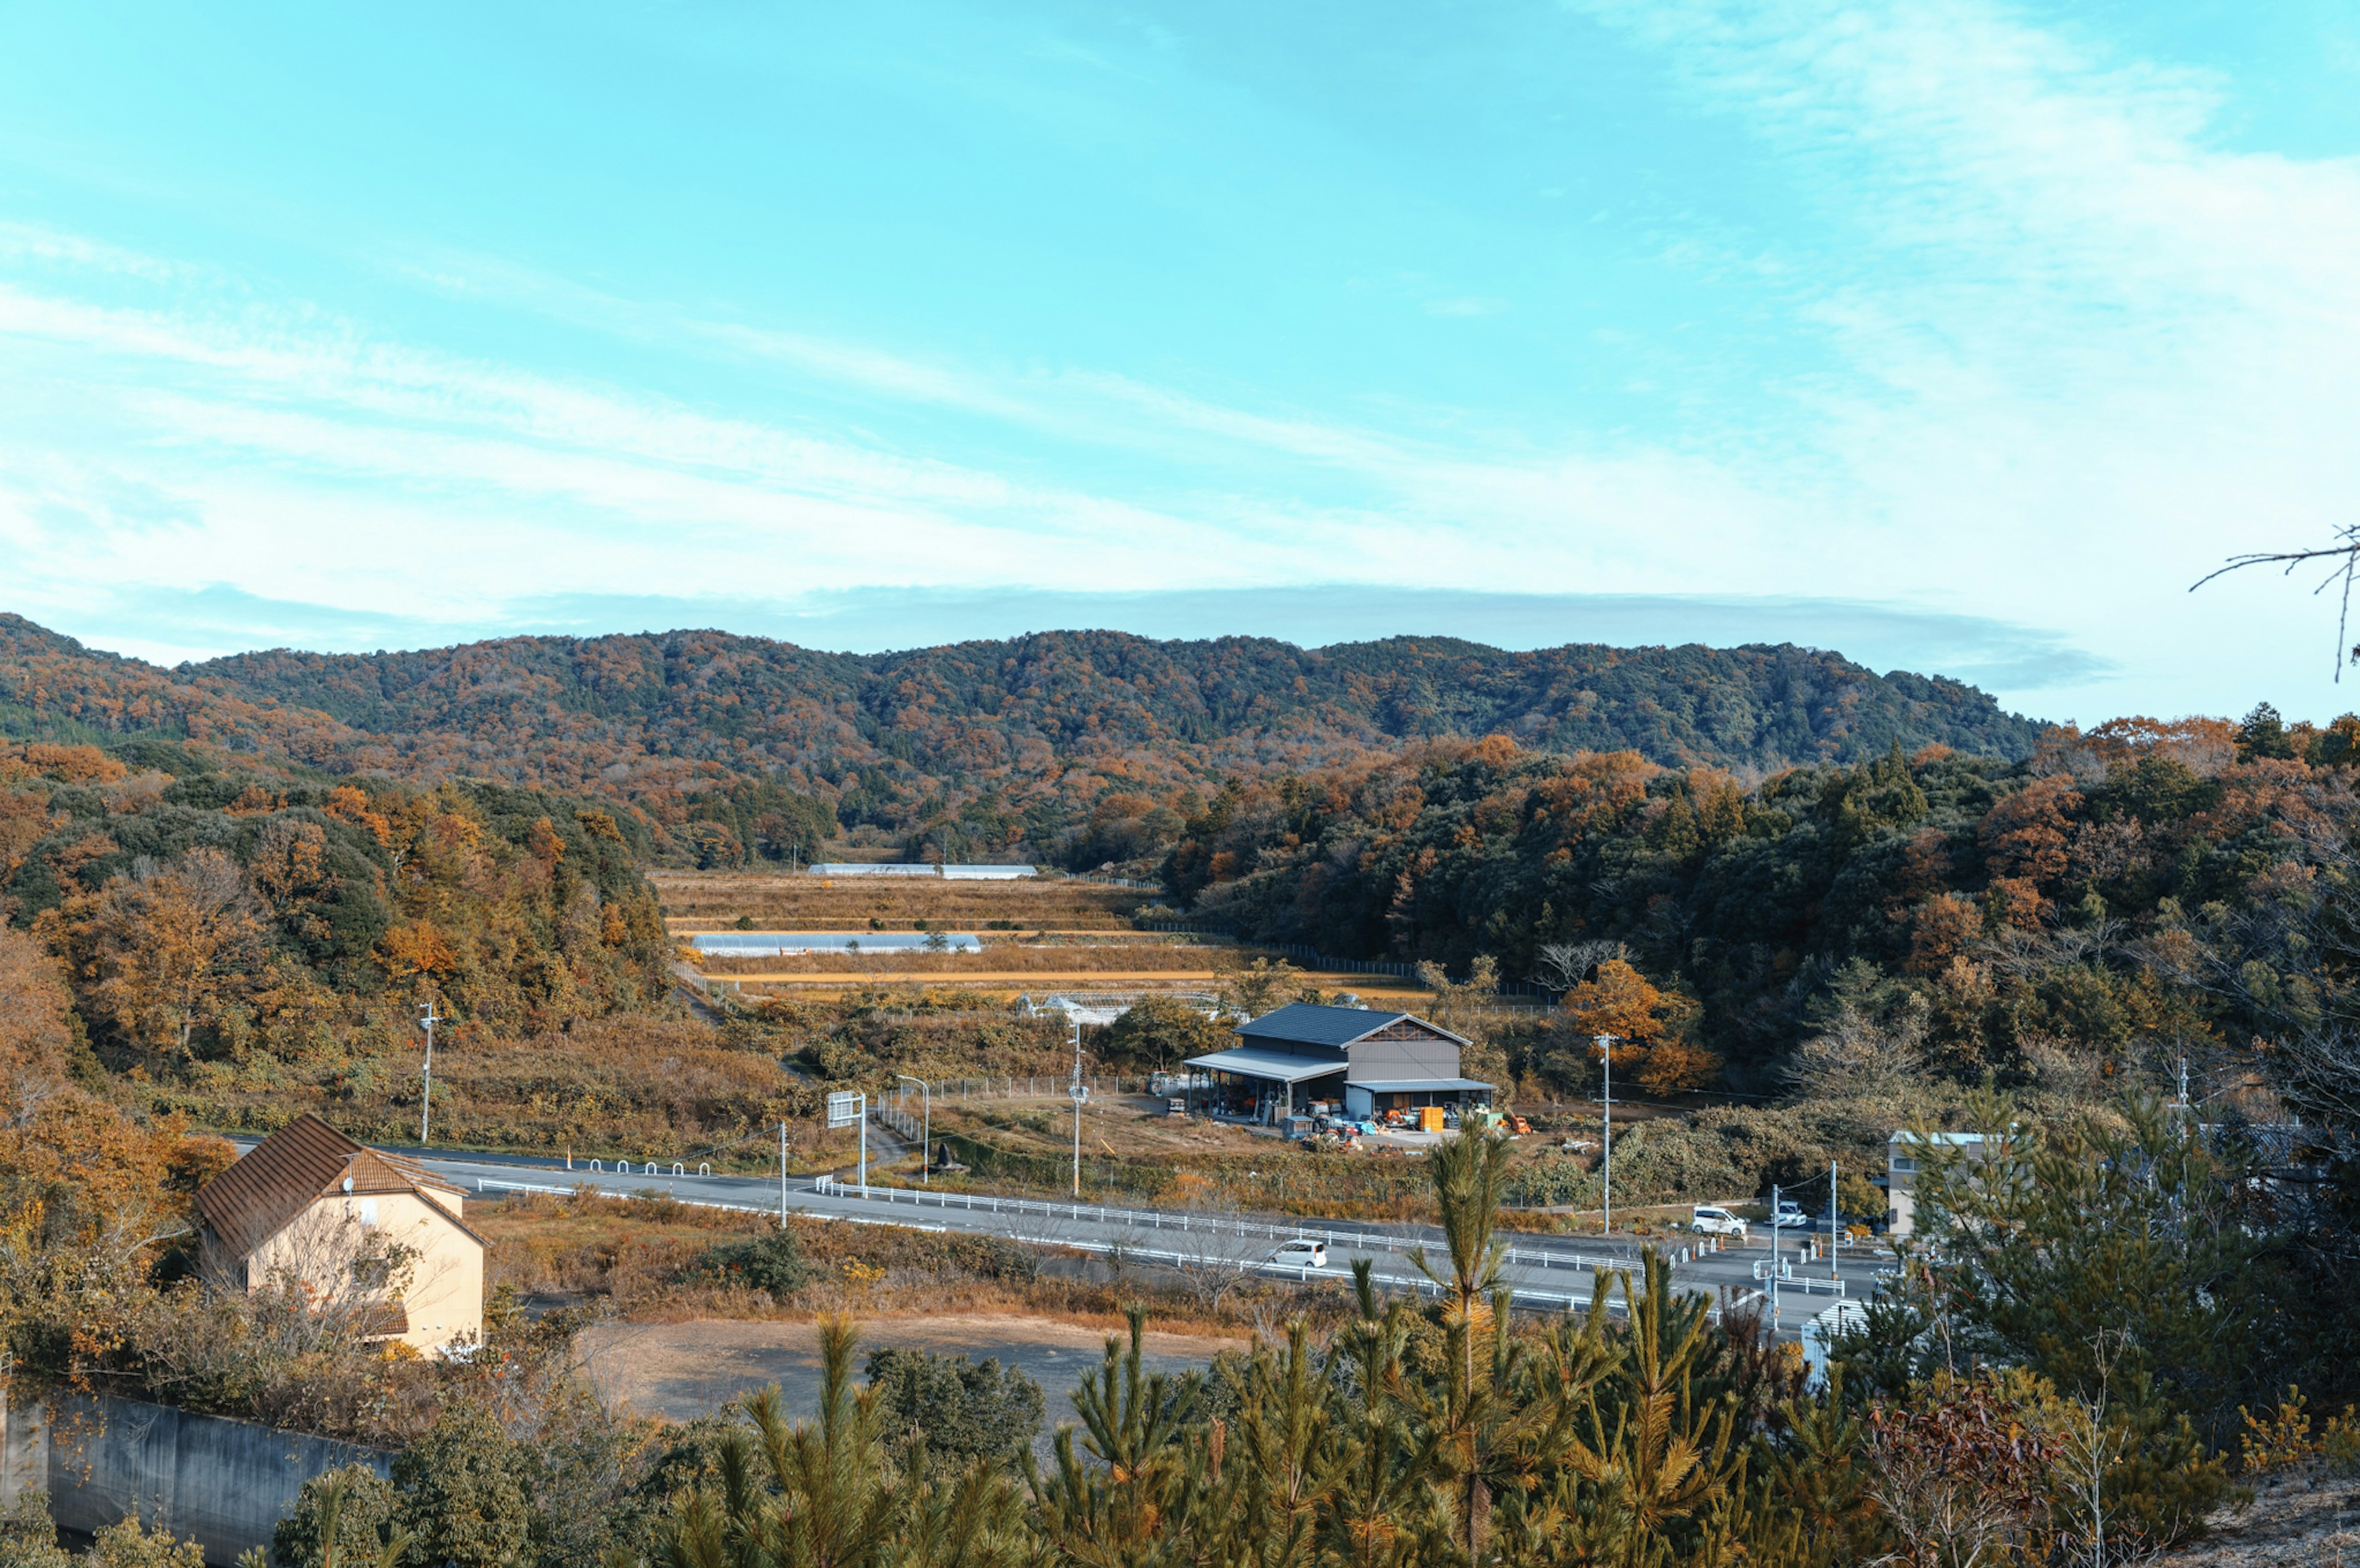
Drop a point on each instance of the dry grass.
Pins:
(2303, 1520)
(708, 900)
(617, 1088)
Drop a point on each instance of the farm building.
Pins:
(1360, 1058)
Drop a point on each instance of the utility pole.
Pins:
(782, 1175)
(1080, 1094)
(926, 1138)
(426, 1098)
(1831, 1219)
(1606, 1053)
(1775, 1253)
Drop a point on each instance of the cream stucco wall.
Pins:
(443, 1289)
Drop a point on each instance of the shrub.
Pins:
(365, 1511)
(770, 1261)
(961, 1411)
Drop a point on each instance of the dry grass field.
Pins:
(711, 900)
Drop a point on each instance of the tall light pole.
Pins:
(1606, 1053)
(926, 1138)
(426, 1098)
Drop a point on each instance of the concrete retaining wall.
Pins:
(228, 1483)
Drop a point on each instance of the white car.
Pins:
(1301, 1254)
(1707, 1221)
(1791, 1217)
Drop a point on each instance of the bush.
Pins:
(466, 1494)
(770, 1261)
(1551, 1181)
(28, 1537)
(961, 1411)
(366, 1511)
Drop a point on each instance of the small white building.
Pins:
(1099, 1008)
(1903, 1153)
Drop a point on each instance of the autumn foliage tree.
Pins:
(162, 949)
(1648, 1027)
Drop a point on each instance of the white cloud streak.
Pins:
(2084, 352)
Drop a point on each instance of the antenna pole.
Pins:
(426, 1098)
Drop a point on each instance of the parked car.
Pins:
(1706, 1220)
(1301, 1254)
(1790, 1216)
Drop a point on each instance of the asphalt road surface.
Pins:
(1546, 1271)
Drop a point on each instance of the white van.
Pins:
(1706, 1220)
(1301, 1254)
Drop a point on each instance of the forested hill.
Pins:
(994, 742)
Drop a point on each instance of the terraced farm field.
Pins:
(1040, 936)
(709, 900)
(1128, 952)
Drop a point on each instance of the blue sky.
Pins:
(1957, 336)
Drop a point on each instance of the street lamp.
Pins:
(925, 1137)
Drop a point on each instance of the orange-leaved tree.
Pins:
(162, 949)
(1649, 1026)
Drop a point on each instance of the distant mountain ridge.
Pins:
(1036, 725)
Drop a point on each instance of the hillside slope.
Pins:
(992, 743)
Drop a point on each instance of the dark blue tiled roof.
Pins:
(1308, 1023)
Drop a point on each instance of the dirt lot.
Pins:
(707, 900)
(682, 1370)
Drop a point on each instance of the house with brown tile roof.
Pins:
(355, 1230)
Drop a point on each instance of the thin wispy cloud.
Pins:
(1995, 331)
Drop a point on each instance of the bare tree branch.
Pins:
(2347, 554)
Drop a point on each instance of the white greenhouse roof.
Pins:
(1274, 1065)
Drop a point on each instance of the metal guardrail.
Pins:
(1519, 1295)
(1187, 1221)
(492, 1184)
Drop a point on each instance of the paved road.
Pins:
(1544, 1270)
